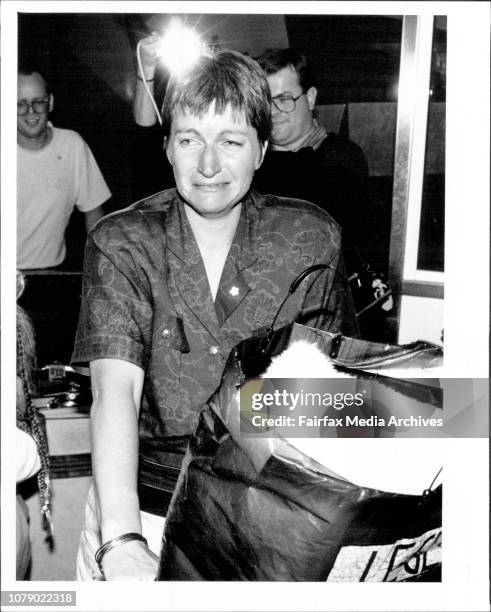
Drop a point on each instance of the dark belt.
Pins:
(156, 484)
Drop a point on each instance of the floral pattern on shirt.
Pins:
(146, 298)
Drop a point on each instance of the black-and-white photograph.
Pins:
(236, 288)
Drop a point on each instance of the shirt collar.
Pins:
(181, 241)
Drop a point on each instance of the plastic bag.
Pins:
(259, 509)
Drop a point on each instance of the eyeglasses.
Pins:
(286, 104)
(40, 106)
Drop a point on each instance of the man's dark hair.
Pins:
(227, 77)
(274, 60)
(28, 69)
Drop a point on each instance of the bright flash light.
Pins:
(181, 46)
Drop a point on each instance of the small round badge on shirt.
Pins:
(214, 350)
(234, 291)
(166, 333)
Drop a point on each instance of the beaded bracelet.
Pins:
(110, 544)
(146, 80)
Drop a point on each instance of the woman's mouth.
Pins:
(210, 186)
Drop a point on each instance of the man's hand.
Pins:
(148, 48)
(131, 561)
(143, 109)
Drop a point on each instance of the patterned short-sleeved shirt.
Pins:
(146, 299)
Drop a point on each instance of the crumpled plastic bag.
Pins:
(259, 509)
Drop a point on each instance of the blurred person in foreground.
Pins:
(30, 441)
(171, 284)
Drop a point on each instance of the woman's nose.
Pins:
(209, 162)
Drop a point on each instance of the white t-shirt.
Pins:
(50, 182)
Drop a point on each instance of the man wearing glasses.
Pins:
(56, 171)
(303, 160)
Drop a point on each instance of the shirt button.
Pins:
(166, 333)
(214, 350)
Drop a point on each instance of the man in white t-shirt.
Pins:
(56, 172)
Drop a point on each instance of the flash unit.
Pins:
(181, 46)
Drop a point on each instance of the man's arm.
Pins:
(143, 110)
(92, 216)
(117, 387)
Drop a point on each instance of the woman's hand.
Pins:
(131, 561)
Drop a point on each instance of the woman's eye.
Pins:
(232, 143)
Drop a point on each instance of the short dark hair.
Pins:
(28, 69)
(226, 77)
(274, 60)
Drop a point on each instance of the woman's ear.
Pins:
(167, 150)
(262, 152)
(51, 103)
